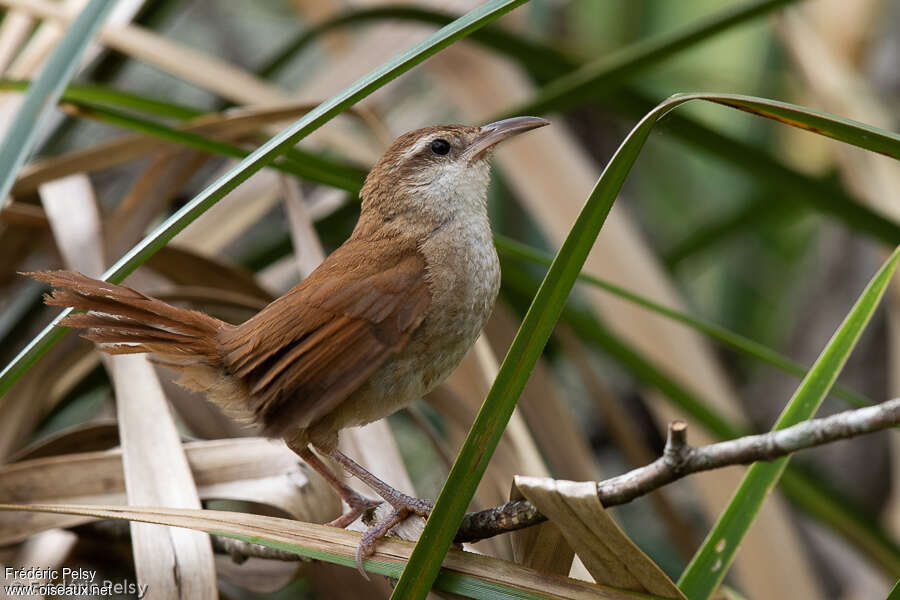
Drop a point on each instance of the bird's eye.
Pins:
(440, 146)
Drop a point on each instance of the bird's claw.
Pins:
(359, 506)
(404, 506)
(374, 533)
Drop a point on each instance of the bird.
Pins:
(378, 324)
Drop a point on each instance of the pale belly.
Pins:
(461, 305)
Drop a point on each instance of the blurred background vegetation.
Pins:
(736, 220)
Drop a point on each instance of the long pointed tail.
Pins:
(125, 321)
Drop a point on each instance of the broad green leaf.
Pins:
(711, 562)
(258, 159)
(43, 93)
(470, 575)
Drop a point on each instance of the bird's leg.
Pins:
(396, 498)
(403, 505)
(358, 503)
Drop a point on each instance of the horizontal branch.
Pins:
(680, 459)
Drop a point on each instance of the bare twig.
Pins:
(240, 551)
(680, 459)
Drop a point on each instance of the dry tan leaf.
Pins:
(258, 575)
(39, 390)
(14, 31)
(254, 469)
(149, 197)
(228, 126)
(340, 545)
(308, 251)
(23, 215)
(542, 547)
(549, 419)
(84, 437)
(628, 439)
(156, 470)
(49, 549)
(609, 555)
(555, 167)
(190, 268)
(824, 43)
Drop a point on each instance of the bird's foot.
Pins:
(412, 506)
(404, 506)
(359, 507)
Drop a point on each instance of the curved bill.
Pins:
(494, 133)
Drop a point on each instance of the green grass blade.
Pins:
(758, 210)
(529, 342)
(711, 562)
(601, 76)
(282, 534)
(594, 81)
(726, 337)
(542, 61)
(845, 130)
(103, 104)
(806, 490)
(43, 93)
(295, 161)
(261, 157)
(816, 497)
(819, 193)
(548, 304)
(106, 96)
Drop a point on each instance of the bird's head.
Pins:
(437, 171)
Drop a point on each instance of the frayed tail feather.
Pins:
(122, 320)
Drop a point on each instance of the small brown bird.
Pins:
(382, 321)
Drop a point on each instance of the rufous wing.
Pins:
(307, 351)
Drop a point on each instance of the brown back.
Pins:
(308, 350)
